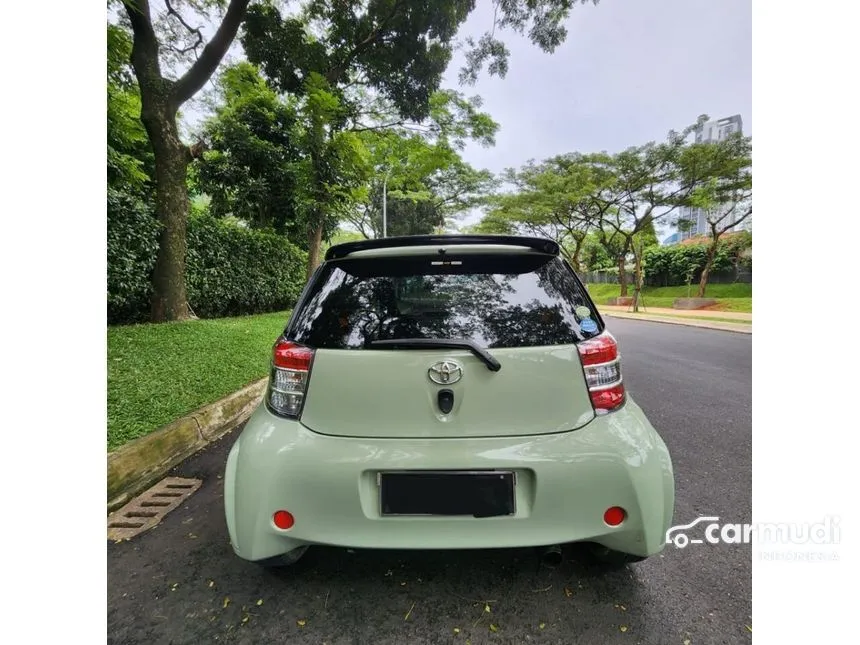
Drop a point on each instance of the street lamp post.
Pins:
(385, 202)
(385, 206)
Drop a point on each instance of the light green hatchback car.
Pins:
(447, 392)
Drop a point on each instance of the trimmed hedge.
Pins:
(132, 244)
(235, 271)
(230, 270)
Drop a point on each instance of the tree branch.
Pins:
(367, 128)
(173, 12)
(335, 72)
(203, 68)
(403, 124)
(738, 221)
(144, 51)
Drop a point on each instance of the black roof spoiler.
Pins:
(542, 245)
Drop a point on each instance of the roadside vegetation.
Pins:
(160, 372)
(729, 297)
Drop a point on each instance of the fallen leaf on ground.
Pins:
(211, 583)
(621, 607)
(749, 628)
(486, 608)
(542, 625)
(568, 592)
(192, 536)
(623, 628)
(456, 630)
(226, 602)
(402, 584)
(301, 622)
(687, 641)
(259, 602)
(245, 619)
(493, 628)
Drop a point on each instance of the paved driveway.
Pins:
(180, 583)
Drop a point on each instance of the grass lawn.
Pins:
(157, 373)
(729, 297)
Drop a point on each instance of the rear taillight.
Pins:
(291, 366)
(602, 366)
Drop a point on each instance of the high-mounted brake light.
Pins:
(291, 366)
(602, 366)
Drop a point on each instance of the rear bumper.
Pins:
(565, 482)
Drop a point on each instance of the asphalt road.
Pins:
(172, 584)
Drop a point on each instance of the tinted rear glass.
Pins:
(496, 301)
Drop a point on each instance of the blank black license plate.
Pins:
(479, 494)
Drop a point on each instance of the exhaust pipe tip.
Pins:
(552, 556)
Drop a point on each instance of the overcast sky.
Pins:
(629, 71)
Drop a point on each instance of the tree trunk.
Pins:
(622, 275)
(637, 279)
(314, 244)
(577, 251)
(709, 261)
(160, 99)
(169, 301)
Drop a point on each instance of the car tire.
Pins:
(609, 557)
(285, 560)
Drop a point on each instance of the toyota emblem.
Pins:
(445, 372)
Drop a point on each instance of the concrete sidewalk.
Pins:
(689, 321)
(740, 316)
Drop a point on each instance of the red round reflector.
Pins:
(283, 520)
(614, 516)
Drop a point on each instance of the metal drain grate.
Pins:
(149, 508)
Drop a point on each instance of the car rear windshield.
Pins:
(494, 300)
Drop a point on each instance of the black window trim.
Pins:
(310, 288)
(587, 295)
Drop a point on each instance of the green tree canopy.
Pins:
(129, 155)
(325, 55)
(253, 168)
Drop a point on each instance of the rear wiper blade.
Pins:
(445, 343)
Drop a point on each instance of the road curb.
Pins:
(702, 324)
(139, 464)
